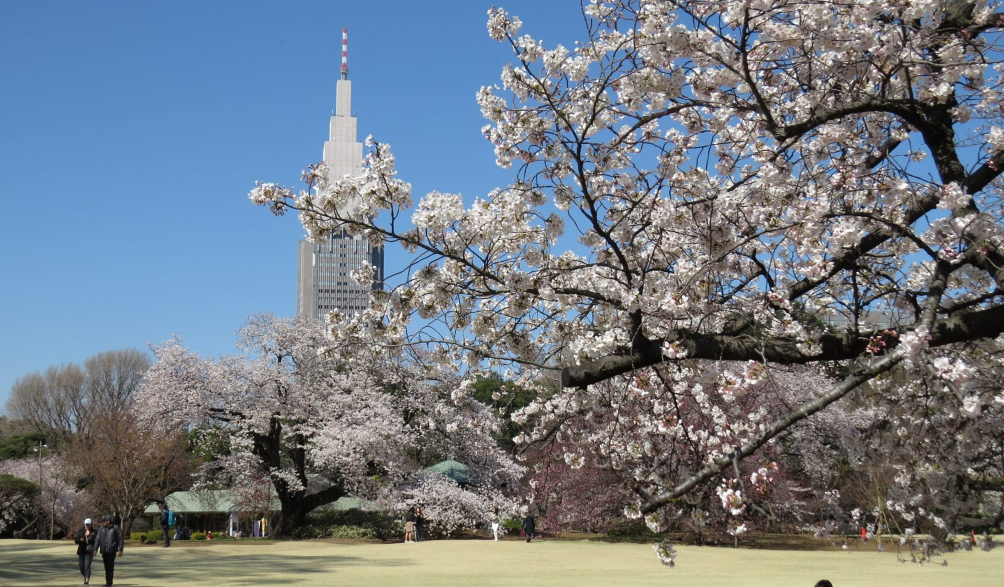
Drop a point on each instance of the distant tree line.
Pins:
(72, 447)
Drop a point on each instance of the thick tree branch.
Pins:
(325, 496)
(908, 110)
(988, 172)
(831, 347)
(988, 260)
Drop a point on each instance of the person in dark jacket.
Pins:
(528, 526)
(409, 525)
(419, 521)
(109, 543)
(84, 539)
(165, 525)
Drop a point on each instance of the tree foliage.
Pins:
(55, 504)
(65, 399)
(751, 185)
(85, 413)
(505, 398)
(314, 429)
(128, 463)
(17, 497)
(20, 446)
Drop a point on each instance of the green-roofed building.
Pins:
(198, 502)
(219, 510)
(454, 470)
(347, 502)
(206, 510)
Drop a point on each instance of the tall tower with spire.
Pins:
(325, 269)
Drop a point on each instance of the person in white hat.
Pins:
(84, 539)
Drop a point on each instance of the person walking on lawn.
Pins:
(529, 526)
(165, 524)
(84, 539)
(496, 521)
(109, 542)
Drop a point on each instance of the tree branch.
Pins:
(832, 347)
(325, 496)
(804, 411)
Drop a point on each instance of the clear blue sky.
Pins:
(131, 132)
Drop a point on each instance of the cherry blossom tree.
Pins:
(317, 429)
(751, 185)
(56, 499)
(664, 423)
(939, 444)
(448, 506)
(575, 496)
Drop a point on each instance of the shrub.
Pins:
(20, 446)
(198, 535)
(154, 536)
(345, 532)
(307, 532)
(633, 531)
(352, 532)
(350, 524)
(512, 524)
(138, 536)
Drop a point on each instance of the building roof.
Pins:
(225, 501)
(207, 501)
(454, 470)
(347, 502)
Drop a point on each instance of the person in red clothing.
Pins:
(864, 534)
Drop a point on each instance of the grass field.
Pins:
(555, 563)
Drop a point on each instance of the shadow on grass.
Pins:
(47, 564)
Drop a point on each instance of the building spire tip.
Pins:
(345, 53)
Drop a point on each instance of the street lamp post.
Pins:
(41, 486)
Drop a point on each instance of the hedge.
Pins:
(350, 524)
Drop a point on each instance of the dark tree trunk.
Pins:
(295, 504)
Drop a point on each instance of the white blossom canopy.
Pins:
(283, 413)
(779, 181)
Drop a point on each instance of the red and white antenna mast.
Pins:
(345, 53)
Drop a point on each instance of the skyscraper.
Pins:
(324, 277)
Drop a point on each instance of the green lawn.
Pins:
(481, 562)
